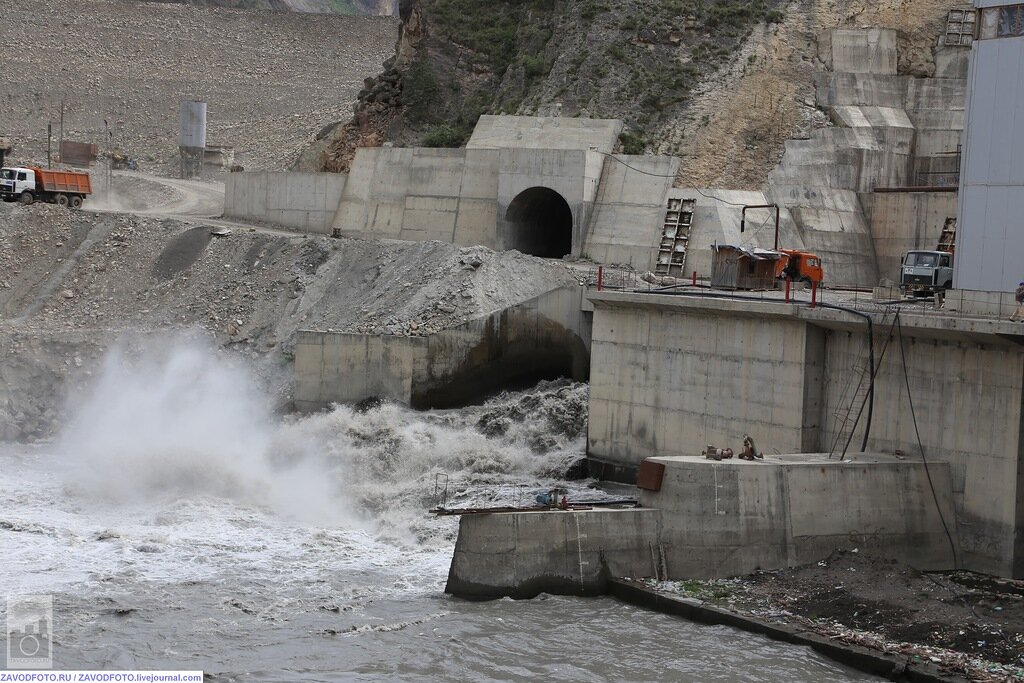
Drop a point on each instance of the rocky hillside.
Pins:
(376, 8)
(669, 68)
(272, 80)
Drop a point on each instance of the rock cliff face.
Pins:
(669, 68)
(456, 59)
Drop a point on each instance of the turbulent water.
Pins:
(179, 524)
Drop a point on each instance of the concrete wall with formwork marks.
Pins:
(526, 183)
(305, 202)
(421, 194)
(860, 51)
(629, 209)
(902, 221)
(465, 196)
(672, 373)
(542, 338)
(832, 224)
(890, 131)
(967, 389)
(545, 132)
(668, 384)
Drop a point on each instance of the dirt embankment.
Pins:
(73, 283)
(272, 80)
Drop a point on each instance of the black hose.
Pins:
(920, 445)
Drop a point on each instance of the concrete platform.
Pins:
(714, 519)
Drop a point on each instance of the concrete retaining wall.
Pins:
(305, 202)
(730, 518)
(967, 400)
(901, 221)
(544, 132)
(421, 194)
(524, 554)
(670, 374)
(460, 195)
(545, 337)
(630, 209)
(666, 384)
(709, 520)
(865, 51)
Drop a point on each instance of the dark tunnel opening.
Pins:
(541, 223)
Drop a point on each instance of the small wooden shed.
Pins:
(734, 267)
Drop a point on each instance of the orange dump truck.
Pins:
(799, 266)
(27, 184)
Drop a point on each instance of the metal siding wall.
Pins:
(990, 240)
(1002, 146)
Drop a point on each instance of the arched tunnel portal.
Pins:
(540, 223)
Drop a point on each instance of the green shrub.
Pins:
(633, 142)
(617, 52)
(535, 67)
(443, 135)
(419, 90)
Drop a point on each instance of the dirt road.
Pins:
(149, 195)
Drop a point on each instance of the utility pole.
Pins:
(49, 143)
(60, 148)
(110, 155)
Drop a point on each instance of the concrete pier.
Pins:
(714, 519)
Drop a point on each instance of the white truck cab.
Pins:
(16, 180)
(926, 272)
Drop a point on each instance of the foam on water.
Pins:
(174, 467)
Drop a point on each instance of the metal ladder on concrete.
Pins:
(675, 233)
(947, 239)
(851, 405)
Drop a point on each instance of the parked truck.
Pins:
(923, 273)
(799, 266)
(27, 184)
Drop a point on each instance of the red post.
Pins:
(695, 278)
(787, 290)
(814, 294)
(600, 278)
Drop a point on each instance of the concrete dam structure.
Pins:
(671, 375)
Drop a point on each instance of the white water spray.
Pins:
(185, 420)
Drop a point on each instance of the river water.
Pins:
(179, 525)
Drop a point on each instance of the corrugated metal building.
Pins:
(990, 221)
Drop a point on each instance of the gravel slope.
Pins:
(272, 80)
(73, 283)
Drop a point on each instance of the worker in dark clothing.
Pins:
(1018, 315)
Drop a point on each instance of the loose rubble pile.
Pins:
(965, 624)
(95, 277)
(271, 80)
